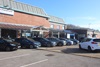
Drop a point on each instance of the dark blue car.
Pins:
(4, 45)
(45, 42)
(28, 43)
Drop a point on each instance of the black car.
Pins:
(45, 42)
(4, 45)
(12, 41)
(28, 43)
(58, 41)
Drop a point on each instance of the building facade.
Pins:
(57, 26)
(21, 19)
(89, 33)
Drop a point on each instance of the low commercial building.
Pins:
(19, 19)
(81, 33)
(57, 26)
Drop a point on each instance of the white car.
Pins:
(90, 44)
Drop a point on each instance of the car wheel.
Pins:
(80, 46)
(89, 49)
(60, 44)
(68, 43)
(48, 45)
(75, 43)
(31, 47)
(8, 49)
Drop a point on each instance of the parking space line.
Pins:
(34, 63)
(14, 57)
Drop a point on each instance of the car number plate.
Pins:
(19, 46)
(99, 44)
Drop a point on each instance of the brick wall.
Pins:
(22, 18)
(46, 34)
(55, 26)
(97, 34)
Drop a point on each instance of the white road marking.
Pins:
(14, 57)
(34, 63)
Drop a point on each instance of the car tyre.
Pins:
(48, 45)
(80, 46)
(31, 47)
(68, 43)
(8, 49)
(75, 43)
(60, 44)
(89, 49)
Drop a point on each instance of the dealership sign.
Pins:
(6, 11)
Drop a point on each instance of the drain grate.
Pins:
(49, 55)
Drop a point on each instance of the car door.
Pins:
(25, 42)
(87, 43)
(2, 44)
(83, 43)
(43, 42)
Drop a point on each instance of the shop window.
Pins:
(58, 27)
(63, 27)
(52, 26)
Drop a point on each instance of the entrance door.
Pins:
(6, 33)
(35, 34)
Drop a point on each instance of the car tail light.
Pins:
(94, 42)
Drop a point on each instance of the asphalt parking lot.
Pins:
(74, 50)
(44, 58)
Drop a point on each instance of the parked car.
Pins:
(58, 41)
(68, 42)
(28, 43)
(12, 41)
(4, 45)
(90, 44)
(75, 41)
(45, 42)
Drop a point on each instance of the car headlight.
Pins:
(53, 43)
(36, 43)
(64, 41)
(12, 44)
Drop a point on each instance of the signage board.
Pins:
(6, 11)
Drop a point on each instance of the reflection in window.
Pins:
(52, 26)
(58, 27)
(63, 27)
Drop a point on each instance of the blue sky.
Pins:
(84, 13)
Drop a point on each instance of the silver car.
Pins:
(68, 42)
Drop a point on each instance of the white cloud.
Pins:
(95, 25)
(82, 18)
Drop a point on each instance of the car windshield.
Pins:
(63, 38)
(4, 41)
(56, 38)
(96, 40)
(45, 39)
(30, 39)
